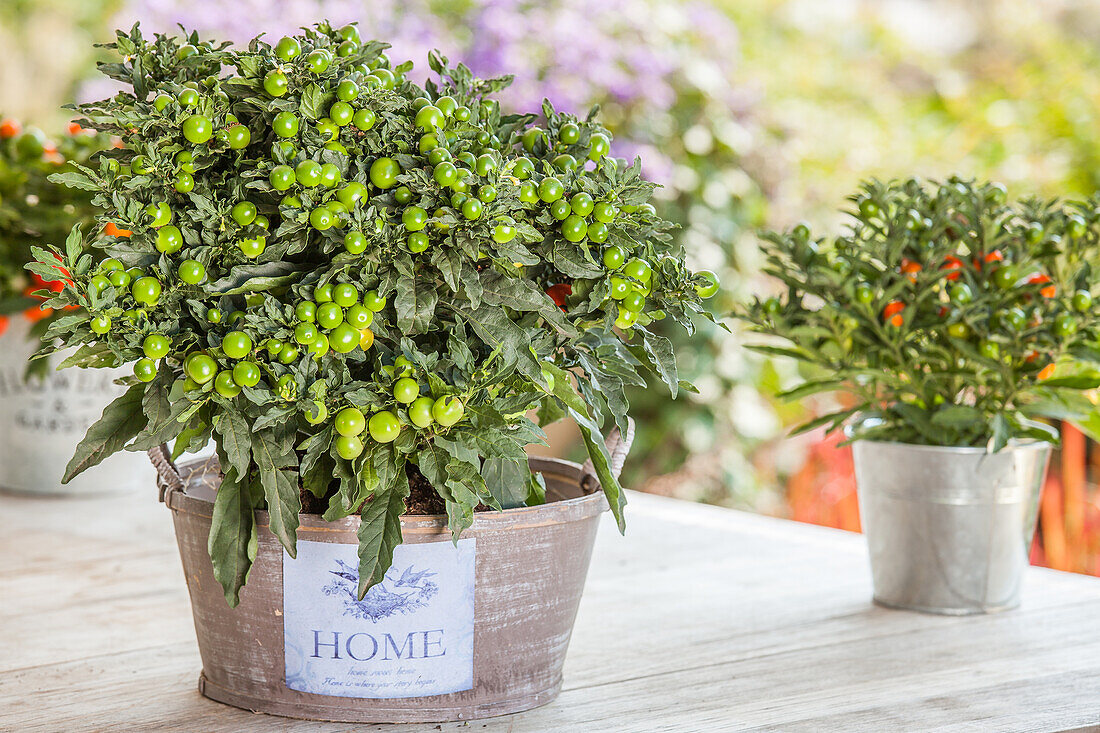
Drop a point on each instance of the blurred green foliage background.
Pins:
(772, 121)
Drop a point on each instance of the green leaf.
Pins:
(120, 422)
(464, 486)
(957, 416)
(233, 542)
(72, 179)
(836, 418)
(812, 387)
(778, 351)
(274, 455)
(89, 355)
(415, 304)
(163, 424)
(1090, 380)
(1090, 424)
(313, 102)
(380, 532)
(244, 279)
(571, 261)
(496, 329)
(506, 479)
(523, 295)
(663, 357)
(74, 244)
(593, 441)
(449, 262)
(236, 439)
(999, 433)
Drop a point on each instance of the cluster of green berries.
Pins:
(384, 426)
(336, 319)
(467, 173)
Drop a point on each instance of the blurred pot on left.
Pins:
(44, 413)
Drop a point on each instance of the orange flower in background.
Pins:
(36, 313)
(10, 128)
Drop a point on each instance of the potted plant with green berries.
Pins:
(370, 296)
(44, 415)
(952, 322)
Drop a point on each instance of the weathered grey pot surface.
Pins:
(530, 570)
(43, 419)
(949, 529)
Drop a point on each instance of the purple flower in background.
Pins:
(638, 58)
(408, 25)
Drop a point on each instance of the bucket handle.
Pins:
(618, 446)
(168, 476)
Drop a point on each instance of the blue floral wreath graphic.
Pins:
(394, 595)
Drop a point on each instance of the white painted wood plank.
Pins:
(699, 619)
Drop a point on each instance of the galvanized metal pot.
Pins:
(949, 529)
(42, 420)
(527, 566)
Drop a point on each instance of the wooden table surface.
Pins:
(700, 619)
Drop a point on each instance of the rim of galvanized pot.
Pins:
(1024, 443)
(176, 491)
(203, 475)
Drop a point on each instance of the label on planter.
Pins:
(411, 636)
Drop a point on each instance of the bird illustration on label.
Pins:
(394, 595)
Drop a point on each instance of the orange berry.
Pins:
(366, 338)
(952, 263)
(112, 230)
(1046, 372)
(1041, 279)
(10, 128)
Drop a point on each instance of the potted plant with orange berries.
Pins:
(953, 323)
(43, 415)
(371, 296)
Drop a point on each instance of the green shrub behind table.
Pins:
(948, 315)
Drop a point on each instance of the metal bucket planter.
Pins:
(42, 420)
(949, 529)
(452, 633)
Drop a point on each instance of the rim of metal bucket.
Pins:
(173, 482)
(1025, 443)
